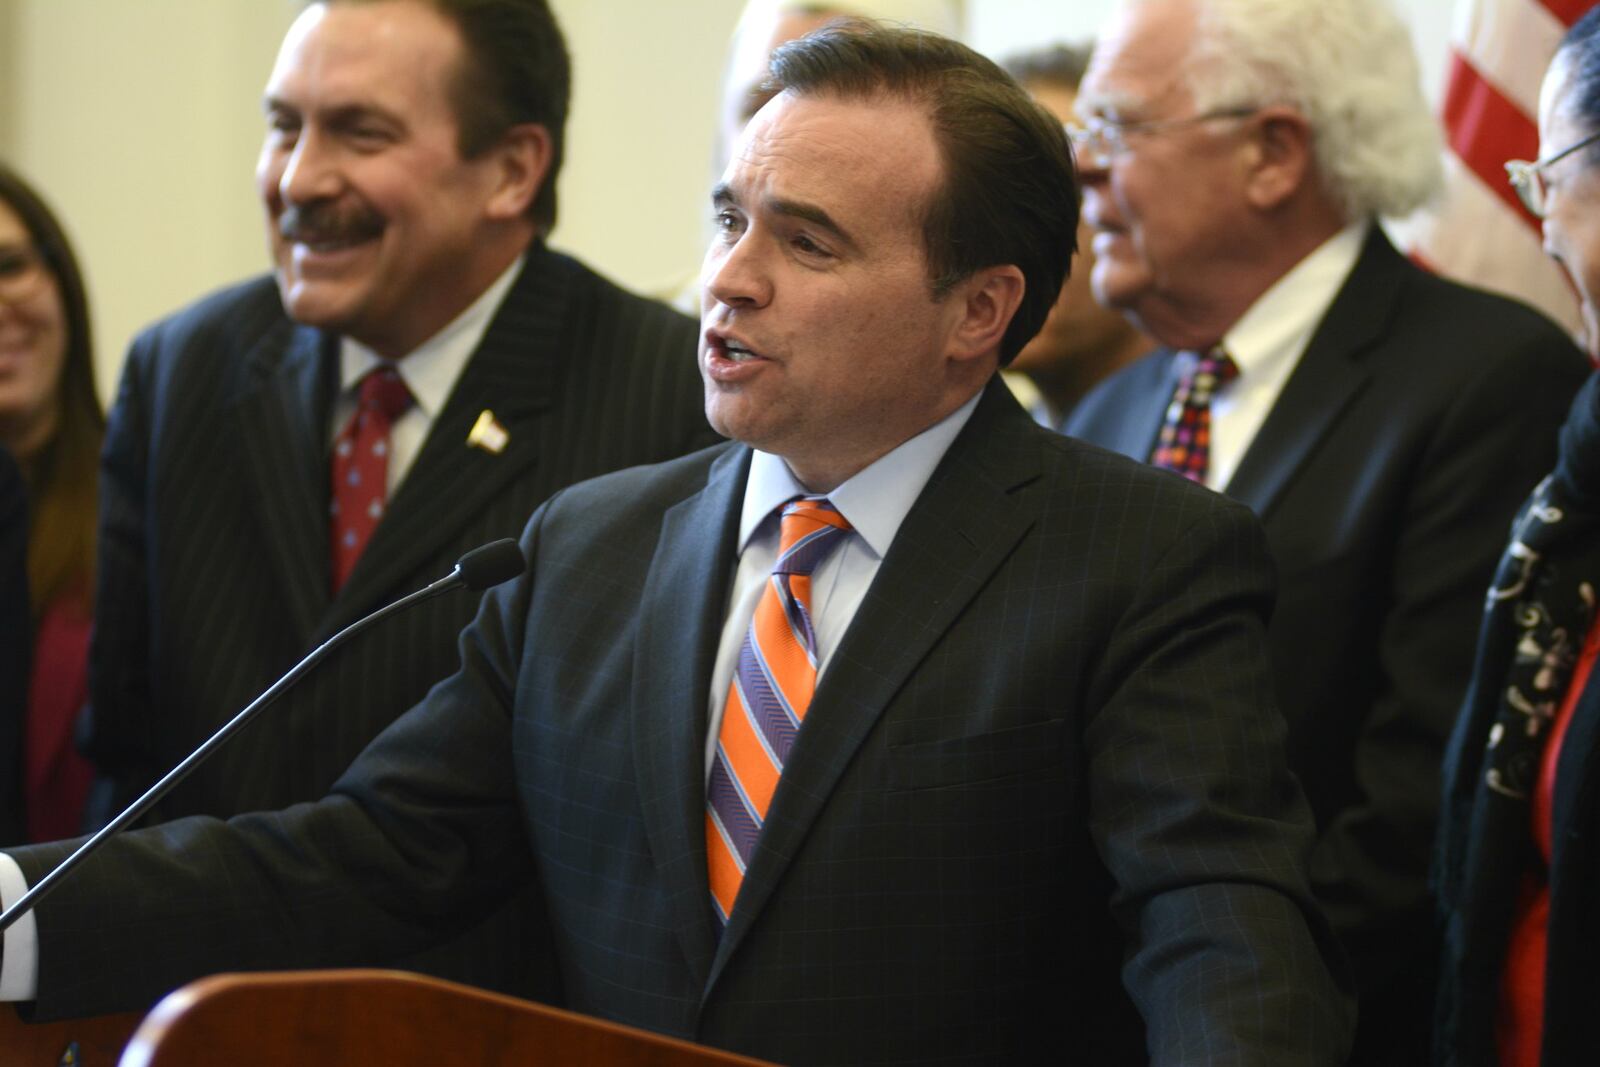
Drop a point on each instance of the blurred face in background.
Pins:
(33, 340)
(374, 218)
(1571, 196)
(1081, 341)
(747, 69)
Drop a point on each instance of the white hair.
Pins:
(1349, 67)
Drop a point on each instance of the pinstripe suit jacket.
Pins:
(213, 575)
(1040, 786)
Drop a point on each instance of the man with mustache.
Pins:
(418, 374)
(900, 729)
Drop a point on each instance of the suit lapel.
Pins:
(680, 624)
(960, 529)
(282, 415)
(1137, 402)
(1329, 375)
(515, 373)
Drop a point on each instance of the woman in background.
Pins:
(1518, 875)
(50, 422)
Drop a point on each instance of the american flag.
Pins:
(1478, 231)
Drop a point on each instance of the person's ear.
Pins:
(985, 305)
(522, 159)
(1282, 156)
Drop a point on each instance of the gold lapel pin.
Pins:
(488, 434)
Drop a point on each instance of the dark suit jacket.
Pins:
(16, 646)
(214, 575)
(1420, 415)
(1044, 756)
(1479, 867)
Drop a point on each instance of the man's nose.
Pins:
(311, 171)
(737, 274)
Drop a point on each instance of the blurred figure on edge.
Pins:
(50, 422)
(1517, 873)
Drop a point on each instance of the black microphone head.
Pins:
(490, 564)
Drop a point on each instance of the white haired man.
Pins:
(1384, 423)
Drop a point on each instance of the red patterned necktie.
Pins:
(1184, 444)
(768, 697)
(361, 467)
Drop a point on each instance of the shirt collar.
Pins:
(1283, 318)
(875, 500)
(430, 370)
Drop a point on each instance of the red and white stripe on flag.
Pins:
(1478, 232)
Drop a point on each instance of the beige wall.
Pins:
(140, 119)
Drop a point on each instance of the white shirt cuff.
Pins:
(19, 972)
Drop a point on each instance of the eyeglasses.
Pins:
(1528, 178)
(1098, 140)
(22, 270)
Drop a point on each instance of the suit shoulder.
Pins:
(649, 488)
(1486, 325)
(227, 318)
(1076, 465)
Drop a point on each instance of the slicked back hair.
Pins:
(1009, 194)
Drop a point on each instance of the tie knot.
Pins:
(1212, 371)
(384, 391)
(809, 530)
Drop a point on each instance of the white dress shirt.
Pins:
(1267, 343)
(874, 501)
(430, 371)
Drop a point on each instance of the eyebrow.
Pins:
(723, 196)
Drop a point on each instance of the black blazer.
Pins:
(1040, 783)
(1478, 882)
(213, 573)
(1386, 474)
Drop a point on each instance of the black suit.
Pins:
(1041, 781)
(214, 573)
(1386, 475)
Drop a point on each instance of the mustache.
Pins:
(329, 221)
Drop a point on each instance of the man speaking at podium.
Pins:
(898, 729)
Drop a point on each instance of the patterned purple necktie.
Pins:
(1184, 444)
(767, 699)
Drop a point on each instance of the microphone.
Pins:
(490, 564)
(485, 566)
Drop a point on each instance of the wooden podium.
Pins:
(327, 1018)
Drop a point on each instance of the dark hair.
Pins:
(1057, 64)
(1009, 195)
(62, 476)
(515, 70)
(1581, 51)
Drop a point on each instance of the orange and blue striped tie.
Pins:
(767, 698)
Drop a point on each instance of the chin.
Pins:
(312, 304)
